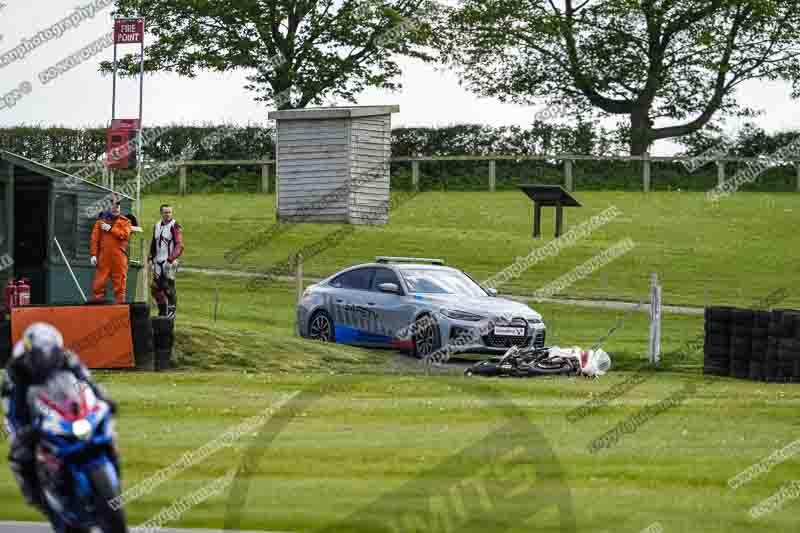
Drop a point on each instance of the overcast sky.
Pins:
(81, 97)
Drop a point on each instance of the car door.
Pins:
(351, 314)
(392, 310)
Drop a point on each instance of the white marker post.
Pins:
(655, 320)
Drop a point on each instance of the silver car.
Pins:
(415, 305)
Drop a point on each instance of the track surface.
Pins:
(41, 527)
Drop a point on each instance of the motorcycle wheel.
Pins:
(110, 520)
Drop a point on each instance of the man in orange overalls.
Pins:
(109, 250)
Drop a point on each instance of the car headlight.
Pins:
(534, 320)
(461, 315)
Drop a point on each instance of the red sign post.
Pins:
(122, 144)
(122, 132)
(127, 31)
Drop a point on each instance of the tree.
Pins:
(677, 62)
(296, 52)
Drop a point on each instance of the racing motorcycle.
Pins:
(534, 362)
(76, 460)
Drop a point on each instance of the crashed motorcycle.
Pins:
(534, 362)
(76, 459)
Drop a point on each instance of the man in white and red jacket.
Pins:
(165, 249)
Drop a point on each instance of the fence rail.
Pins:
(568, 161)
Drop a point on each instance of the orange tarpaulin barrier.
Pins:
(99, 334)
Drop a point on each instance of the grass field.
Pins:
(391, 437)
(371, 437)
(733, 253)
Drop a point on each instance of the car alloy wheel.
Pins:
(426, 340)
(321, 328)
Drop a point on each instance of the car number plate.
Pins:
(508, 331)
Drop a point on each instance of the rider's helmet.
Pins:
(44, 344)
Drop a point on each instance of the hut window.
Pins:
(65, 226)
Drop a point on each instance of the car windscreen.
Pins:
(435, 281)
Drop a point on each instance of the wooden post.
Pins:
(568, 184)
(559, 219)
(299, 275)
(537, 220)
(720, 172)
(182, 180)
(646, 171)
(492, 175)
(415, 175)
(265, 179)
(104, 176)
(111, 179)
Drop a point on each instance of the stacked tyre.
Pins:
(759, 345)
(142, 336)
(770, 367)
(786, 327)
(741, 342)
(163, 339)
(716, 360)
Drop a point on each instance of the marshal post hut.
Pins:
(37, 203)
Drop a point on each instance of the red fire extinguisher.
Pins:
(23, 292)
(10, 295)
(17, 293)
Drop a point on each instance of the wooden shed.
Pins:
(38, 203)
(333, 164)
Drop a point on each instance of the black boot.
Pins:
(162, 309)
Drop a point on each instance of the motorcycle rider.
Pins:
(35, 357)
(165, 249)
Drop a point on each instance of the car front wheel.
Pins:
(320, 328)
(426, 338)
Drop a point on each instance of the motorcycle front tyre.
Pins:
(109, 520)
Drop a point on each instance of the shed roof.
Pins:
(320, 113)
(50, 172)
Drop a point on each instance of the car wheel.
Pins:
(320, 327)
(426, 338)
